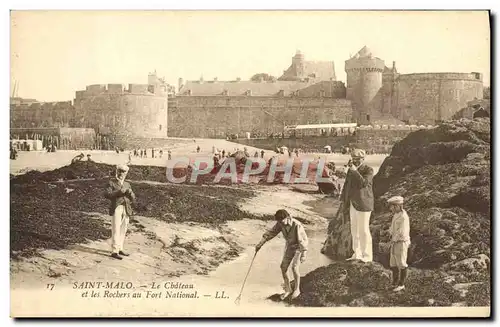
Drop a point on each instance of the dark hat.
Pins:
(281, 214)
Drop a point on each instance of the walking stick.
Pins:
(237, 301)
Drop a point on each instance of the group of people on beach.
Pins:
(357, 202)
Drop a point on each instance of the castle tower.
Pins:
(298, 63)
(364, 80)
(152, 78)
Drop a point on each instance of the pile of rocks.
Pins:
(444, 176)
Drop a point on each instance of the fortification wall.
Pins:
(217, 116)
(128, 114)
(138, 88)
(371, 81)
(353, 84)
(145, 115)
(115, 88)
(427, 98)
(50, 114)
(306, 144)
(379, 141)
(95, 89)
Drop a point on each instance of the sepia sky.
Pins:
(53, 54)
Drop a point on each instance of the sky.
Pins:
(55, 53)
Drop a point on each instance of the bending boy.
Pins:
(295, 250)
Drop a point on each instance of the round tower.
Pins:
(364, 80)
(298, 63)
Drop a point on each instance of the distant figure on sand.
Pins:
(78, 158)
(13, 153)
(121, 196)
(198, 149)
(169, 155)
(357, 202)
(295, 250)
(262, 153)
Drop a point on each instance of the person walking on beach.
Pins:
(121, 195)
(400, 242)
(295, 250)
(357, 202)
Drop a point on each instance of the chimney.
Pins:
(181, 83)
(393, 65)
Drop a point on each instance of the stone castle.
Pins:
(306, 93)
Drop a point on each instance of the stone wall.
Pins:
(373, 140)
(49, 114)
(129, 114)
(217, 116)
(428, 98)
(379, 141)
(306, 144)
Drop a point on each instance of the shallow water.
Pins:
(265, 277)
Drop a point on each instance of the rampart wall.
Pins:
(218, 116)
(126, 114)
(372, 140)
(428, 98)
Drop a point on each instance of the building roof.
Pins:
(317, 70)
(364, 52)
(235, 88)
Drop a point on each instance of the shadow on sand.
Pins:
(87, 249)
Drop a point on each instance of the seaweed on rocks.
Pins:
(444, 174)
(358, 284)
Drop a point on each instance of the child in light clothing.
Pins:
(400, 242)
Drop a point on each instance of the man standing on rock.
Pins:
(121, 196)
(295, 250)
(357, 202)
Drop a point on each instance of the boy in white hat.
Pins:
(400, 241)
(121, 195)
